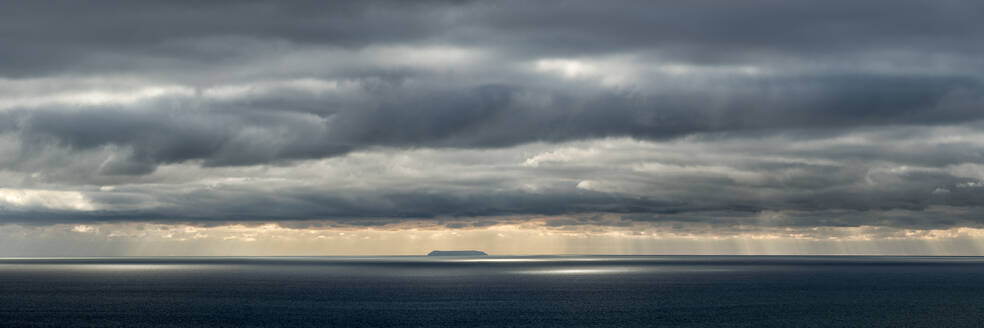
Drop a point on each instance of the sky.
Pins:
(514, 127)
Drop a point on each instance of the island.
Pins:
(457, 253)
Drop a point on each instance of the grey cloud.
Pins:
(118, 36)
(723, 183)
(169, 136)
(842, 113)
(261, 131)
(79, 37)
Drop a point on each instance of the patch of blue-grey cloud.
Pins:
(835, 114)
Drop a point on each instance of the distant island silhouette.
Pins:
(457, 253)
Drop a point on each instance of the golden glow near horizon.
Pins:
(520, 238)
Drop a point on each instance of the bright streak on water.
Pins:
(581, 271)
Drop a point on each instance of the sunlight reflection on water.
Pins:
(108, 267)
(510, 260)
(581, 271)
(619, 270)
(135, 267)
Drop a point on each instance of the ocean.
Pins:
(522, 291)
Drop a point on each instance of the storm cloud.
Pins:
(761, 114)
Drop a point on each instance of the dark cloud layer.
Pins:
(155, 39)
(489, 116)
(882, 100)
(54, 36)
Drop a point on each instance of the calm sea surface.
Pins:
(583, 291)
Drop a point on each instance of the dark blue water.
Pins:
(598, 291)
